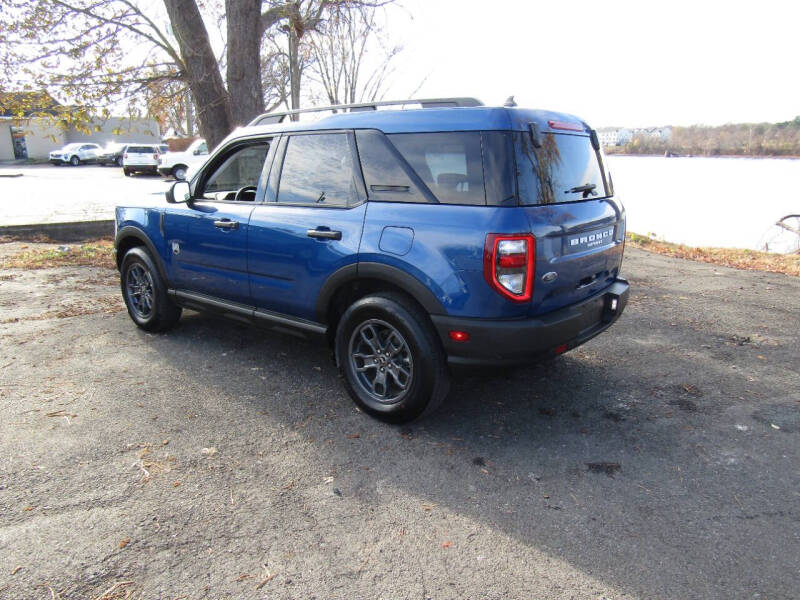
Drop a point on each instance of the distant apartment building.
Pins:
(619, 136)
(33, 132)
(614, 136)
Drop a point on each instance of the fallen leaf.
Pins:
(774, 426)
(164, 442)
(353, 436)
(124, 542)
(16, 570)
(209, 451)
(266, 580)
(176, 484)
(243, 576)
(28, 508)
(446, 545)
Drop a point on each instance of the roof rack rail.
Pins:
(278, 117)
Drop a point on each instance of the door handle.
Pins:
(226, 224)
(325, 234)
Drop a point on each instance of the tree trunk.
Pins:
(202, 72)
(244, 63)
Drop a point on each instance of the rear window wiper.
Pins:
(586, 189)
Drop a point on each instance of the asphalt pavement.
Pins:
(660, 460)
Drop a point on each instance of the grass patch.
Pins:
(93, 254)
(751, 260)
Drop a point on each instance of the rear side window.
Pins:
(564, 169)
(384, 172)
(449, 163)
(318, 169)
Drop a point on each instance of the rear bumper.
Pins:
(519, 341)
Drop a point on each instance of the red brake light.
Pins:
(566, 126)
(155, 155)
(126, 155)
(508, 264)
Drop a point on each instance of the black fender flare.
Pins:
(372, 270)
(130, 231)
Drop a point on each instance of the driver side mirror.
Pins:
(179, 192)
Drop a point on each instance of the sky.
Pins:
(613, 63)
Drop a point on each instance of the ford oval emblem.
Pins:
(548, 277)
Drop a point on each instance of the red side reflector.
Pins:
(561, 349)
(459, 336)
(566, 126)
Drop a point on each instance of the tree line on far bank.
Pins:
(738, 139)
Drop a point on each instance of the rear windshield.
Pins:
(564, 169)
(141, 149)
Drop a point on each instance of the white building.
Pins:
(614, 136)
(38, 130)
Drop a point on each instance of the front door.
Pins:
(310, 224)
(207, 239)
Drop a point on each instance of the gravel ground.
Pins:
(660, 460)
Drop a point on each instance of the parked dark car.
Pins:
(413, 241)
(112, 153)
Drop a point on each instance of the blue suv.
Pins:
(412, 240)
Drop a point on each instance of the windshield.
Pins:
(69, 147)
(564, 169)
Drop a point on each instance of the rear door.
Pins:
(310, 224)
(578, 225)
(207, 239)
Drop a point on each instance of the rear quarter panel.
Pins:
(447, 251)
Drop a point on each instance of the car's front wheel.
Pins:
(145, 294)
(74, 161)
(179, 172)
(393, 364)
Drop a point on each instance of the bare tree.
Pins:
(117, 52)
(352, 58)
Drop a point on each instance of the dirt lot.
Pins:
(661, 460)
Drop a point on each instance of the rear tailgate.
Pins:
(578, 251)
(578, 225)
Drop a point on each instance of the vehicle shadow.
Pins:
(594, 458)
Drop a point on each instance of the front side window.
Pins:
(241, 169)
(450, 163)
(318, 169)
(564, 169)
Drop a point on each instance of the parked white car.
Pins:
(75, 154)
(142, 158)
(177, 164)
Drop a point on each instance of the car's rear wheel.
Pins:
(127, 171)
(393, 364)
(179, 172)
(74, 161)
(145, 294)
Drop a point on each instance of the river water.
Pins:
(726, 202)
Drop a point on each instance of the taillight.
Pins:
(126, 156)
(508, 264)
(155, 156)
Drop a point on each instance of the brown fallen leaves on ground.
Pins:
(750, 260)
(95, 254)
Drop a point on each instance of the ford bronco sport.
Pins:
(412, 240)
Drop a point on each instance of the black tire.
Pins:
(144, 292)
(179, 172)
(412, 349)
(74, 161)
(127, 171)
